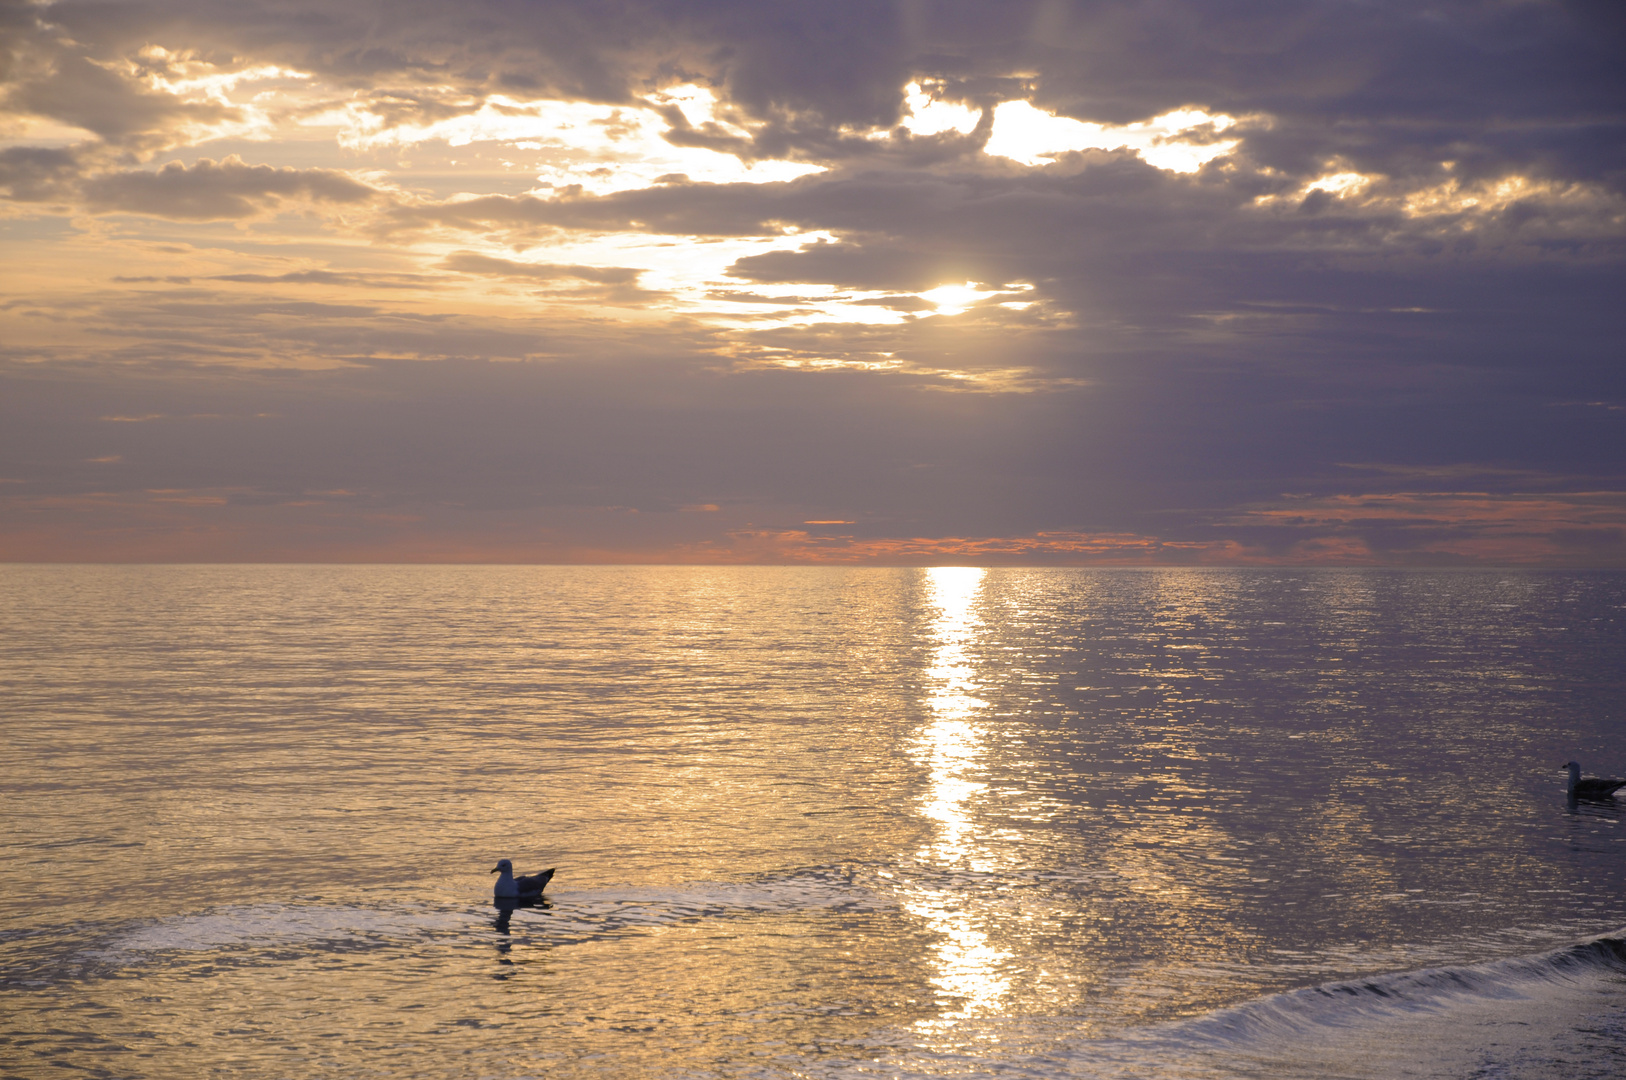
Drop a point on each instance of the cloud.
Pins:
(1574, 527)
(321, 277)
(213, 191)
(1491, 87)
(37, 173)
(1059, 281)
(468, 262)
(78, 92)
(853, 266)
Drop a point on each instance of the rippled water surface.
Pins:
(809, 822)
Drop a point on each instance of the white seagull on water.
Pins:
(1592, 787)
(510, 887)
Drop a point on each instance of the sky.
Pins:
(1336, 282)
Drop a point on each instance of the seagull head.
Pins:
(503, 867)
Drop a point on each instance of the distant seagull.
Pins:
(1592, 787)
(510, 887)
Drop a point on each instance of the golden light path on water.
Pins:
(952, 745)
(809, 823)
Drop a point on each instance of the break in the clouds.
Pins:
(922, 281)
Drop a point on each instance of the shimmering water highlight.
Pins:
(809, 822)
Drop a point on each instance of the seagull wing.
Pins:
(1598, 788)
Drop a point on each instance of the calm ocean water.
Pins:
(810, 822)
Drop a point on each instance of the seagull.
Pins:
(1592, 787)
(511, 887)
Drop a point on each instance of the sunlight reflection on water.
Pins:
(808, 822)
(950, 743)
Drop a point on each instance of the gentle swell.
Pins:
(1551, 1016)
(1430, 990)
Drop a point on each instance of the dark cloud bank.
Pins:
(1219, 366)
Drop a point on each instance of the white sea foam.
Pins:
(569, 916)
(269, 925)
(593, 913)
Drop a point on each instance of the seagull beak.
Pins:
(494, 869)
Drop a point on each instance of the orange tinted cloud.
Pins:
(1471, 526)
(242, 524)
(1058, 548)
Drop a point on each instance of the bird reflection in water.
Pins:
(951, 747)
(507, 905)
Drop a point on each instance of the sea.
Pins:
(824, 822)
